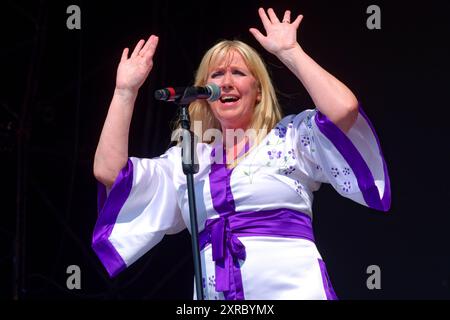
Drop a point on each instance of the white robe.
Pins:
(283, 171)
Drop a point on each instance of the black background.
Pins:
(57, 85)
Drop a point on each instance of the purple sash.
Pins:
(222, 233)
(227, 250)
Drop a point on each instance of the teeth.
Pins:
(229, 98)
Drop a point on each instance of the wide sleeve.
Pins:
(351, 162)
(137, 212)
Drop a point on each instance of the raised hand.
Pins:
(280, 36)
(133, 71)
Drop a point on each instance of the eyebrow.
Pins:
(229, 66)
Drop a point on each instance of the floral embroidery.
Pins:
(292, 153)
(212, 281)
(308, 139)
(318, 167)
(298, 187)
(346, 186)
(308, 121)
(305, 140)
(288, 170)
(280, 131)
(334, 172)
(274, 154)
(346, 171)
(283, 165)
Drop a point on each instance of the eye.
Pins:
(238, 72)
(216, 74)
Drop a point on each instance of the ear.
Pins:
(258, 96)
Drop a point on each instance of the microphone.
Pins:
(210, 92)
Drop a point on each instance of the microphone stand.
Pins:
(190, 167)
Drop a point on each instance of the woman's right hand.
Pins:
(133, 71)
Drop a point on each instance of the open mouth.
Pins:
(228, 99)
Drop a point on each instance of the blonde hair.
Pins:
(267, 112)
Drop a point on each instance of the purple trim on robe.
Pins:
(222, 232)
(329, 291)
(227, 249)
(221, 196)
(109, 209)
(386, 200)
(351, 154)
(230, 283)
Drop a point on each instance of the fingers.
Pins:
(258, 35)
(264, 19)
(138, 48)
(124, 55)
(149, 49)
(151, 44)
(147, 44)
(273, 16)
(143, 49)
(297, 21)
(287, 17)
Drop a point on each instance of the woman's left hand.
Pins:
(280, 36)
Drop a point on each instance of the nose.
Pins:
(227, 81)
